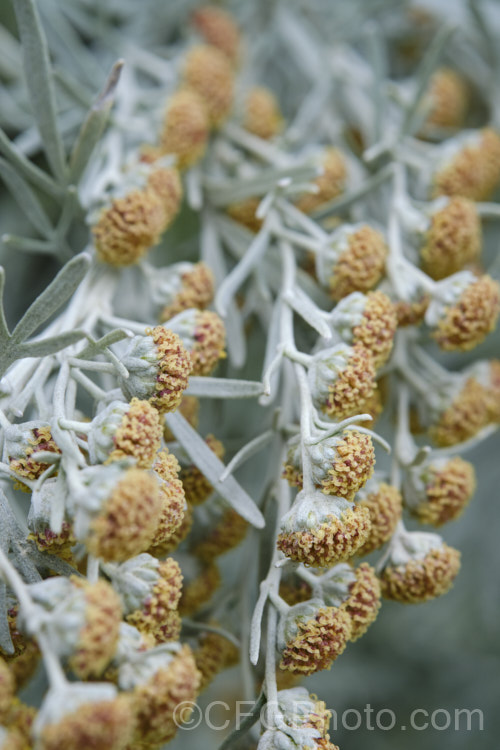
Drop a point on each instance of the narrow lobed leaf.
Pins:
(50, 345)
(40, 83)
(93, 125)
(53, 297)
(25, 198)
(205, 387)
(208, 463)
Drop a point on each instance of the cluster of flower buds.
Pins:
(205, 95)
(117, 510)
(384, 504)
(158, 367)
(90, 714)
(262, 116)
(157, 680)
(150, 590)
(302, 721)
(439, 490)
(133, 223)
(468, 165)
(124, 430)
(22, 443)
(186, 286)
(452, 240)
(419, 567)
(341, 465)
(213, 654)
(448, 99)
(81, 621)
(334, 248)
(321, 530)
(203, 335)
(330, 185)
(353, 262)
(368, 320)
(327, 610)
(23, 658)
(463, 310)
(341, 379)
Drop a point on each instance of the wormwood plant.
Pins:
(315, 179)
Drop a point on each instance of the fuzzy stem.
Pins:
(92, 388)
(270, 670)
(278, 603)
(305, 426)
(92, 569)
(405, 445)
(92, 365)
(272, 580)
(112, 321)
(71, 424)
(248, 450)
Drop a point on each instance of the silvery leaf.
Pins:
(208, 463)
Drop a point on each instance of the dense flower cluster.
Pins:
(265, 235)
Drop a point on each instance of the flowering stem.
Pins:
(305, 426)
(92, 569)
(246, 584)
(298, 357)
(112, 321)
(281, 606)
(405, 448)
(272, 580)
(92, 365)
(92, 388)
(71, 424)
(270, 670)
(332, 428)
(241, 271)
(248, 450)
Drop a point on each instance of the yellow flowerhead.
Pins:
(186, 128)
(329, 185)
(453, 239)
(218, 28)
(471, 168)
(208, 71)
(353, 262)
(384, 505)
(262, 116)
(313, 637)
